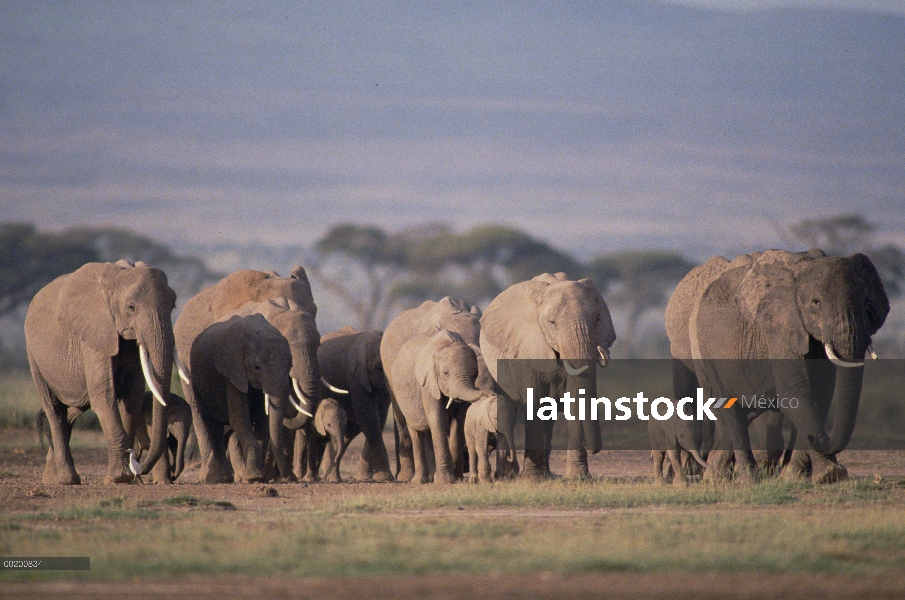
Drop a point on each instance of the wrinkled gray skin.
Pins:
(484, 420)
(179, 427)
(552, 318)
(350, 360)
(292, 312)
(779, 305)
(452, 315)
(82, 333)
(681, 444)
(236, 362)
(327, 432)
(429, 371)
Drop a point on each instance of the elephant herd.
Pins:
(268, 397)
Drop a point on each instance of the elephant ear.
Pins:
(298, 272)
(425, 372)
(83, 307)
(359, 370)
(488, 418)
(605, 332)
(877, 300)
(511, 324)
(475, 311)
(230, 357)
(768, 293)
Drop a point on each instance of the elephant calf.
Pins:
(179, 427)
(485, 419)
(327, 432)
(678, 440)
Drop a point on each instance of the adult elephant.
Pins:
(94, 338)
(292, 311)
(350, 361)
(241, 378)
(567, 324)
(430, 373)
(785, 307)
(449, 314)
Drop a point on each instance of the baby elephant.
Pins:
(326, 432)
(485, 419)
(678, 440)
(179, 427)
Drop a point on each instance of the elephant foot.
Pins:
(311, 478)
(119, 478)
(290, 478)
(383, 475)
(577, 473)
(255, 479)
(405, 475)
(420, 479)
(798, 469)
(65, 479)
(441, 478)
(826, 470)
(166, 480)
(745, 476)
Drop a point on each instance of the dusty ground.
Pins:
(21, 490)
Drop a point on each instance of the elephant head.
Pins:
(447, 366)
(330, 422)
(105, 304)
(257, 286)
(809, 305)
(500, 418)
(252, 353)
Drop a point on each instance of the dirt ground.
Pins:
(21, 491)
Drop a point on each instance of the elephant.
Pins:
(802, 322)
(286, 302)
(449, 314)
(241, 378)
(94, 339)
(179, 428)
(567, 324)
(485, 420)
(350, 361)
(679, 441)
(431, 372)
(327, 432)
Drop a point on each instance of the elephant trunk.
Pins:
(697, 456)
(467, 392)
(846, 397)
(338, 441)
(306, 376)
(277, 432)
(179, 462)
(157, 349)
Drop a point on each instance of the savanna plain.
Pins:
(620, 536)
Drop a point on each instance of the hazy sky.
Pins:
(596, 125)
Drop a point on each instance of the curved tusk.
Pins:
(304, 412)
(181, 370)
(448, 404)
(838, 361)
(332, 388)
(604, 357)
(296, 405)
(870, 351)
(149, 379)
(267, 404)
(572, 370)
(298, 392)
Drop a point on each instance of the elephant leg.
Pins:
(457, 447)
(438, 421)
(312, 454)
(59, 468)
(240, 420)
(404, 446)
(214, 465)
(768, 454)
(534, 450)
(102, 396)
(504, 468)
(657, 457)
(299, 454)
(375, 462)
(675, 460)
(576, 454)
(483, 466)
(420, 473)
(236, 457)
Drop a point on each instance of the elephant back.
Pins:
(684, 299)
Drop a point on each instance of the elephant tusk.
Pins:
(305, 412)
(838, 361)
(604, 357)
(333, 388)
(572, 370)
(298, 406)
(181, 370)
(149, 379)
(267, 404)
(448, 404)
(298, 392)
(870, 351)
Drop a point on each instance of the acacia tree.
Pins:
(374, 272)
(638, 282)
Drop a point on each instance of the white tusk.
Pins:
(448, 404)
(870, 350)
(332, 388)
(298, 392)
(181, 370)
(268, 402)
(838, 361)
(604, 357)
(304, 412)
(572, 370)
(134, 465)
(149, 379)
(297, 406)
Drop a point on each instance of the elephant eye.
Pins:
(130, 306)
(551, 321)
(816, 302)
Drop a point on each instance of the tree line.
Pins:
(376, 273)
